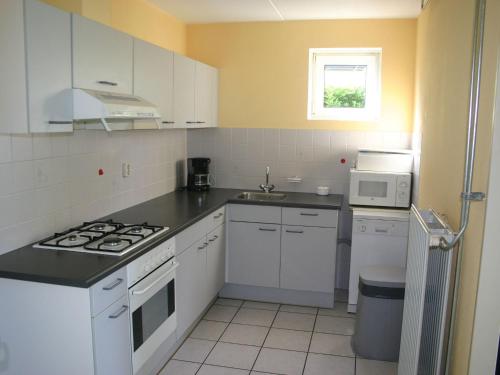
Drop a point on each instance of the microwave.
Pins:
(385, 189)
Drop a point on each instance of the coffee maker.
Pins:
(198, 174)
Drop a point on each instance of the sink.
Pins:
(258, 196)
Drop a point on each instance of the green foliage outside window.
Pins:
(344, 97)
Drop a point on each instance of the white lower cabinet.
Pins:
(190, 284)
(216, 261)
(308, 258)
(112, 342)
(254, 254)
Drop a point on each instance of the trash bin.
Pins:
(379, 315)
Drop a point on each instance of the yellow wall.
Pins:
(138, 18)
(442, 82)
(264, 69)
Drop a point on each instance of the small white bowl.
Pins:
(322, 190)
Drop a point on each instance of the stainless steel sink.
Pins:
(257, 196)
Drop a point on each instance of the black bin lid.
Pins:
(382, 282)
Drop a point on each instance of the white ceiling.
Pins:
(210, 11)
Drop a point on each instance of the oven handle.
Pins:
(142, 291)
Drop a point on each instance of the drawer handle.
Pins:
(295, 231)
(202, 246)
(168, 122)
(119, 312)
(218, 215)
(267, 229)
(213, 238)
(113, 285)
(308, 214)
(51, 122)
(107, 83)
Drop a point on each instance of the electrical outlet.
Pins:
(126, 169)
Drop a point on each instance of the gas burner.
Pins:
(72, 238)
(99, 227)
(112, 241)
(136, 230)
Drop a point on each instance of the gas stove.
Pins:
(103, 237)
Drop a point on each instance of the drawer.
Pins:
(310, 217)
(216, 218)
(189, 236)
(108, 290)
(255, 214)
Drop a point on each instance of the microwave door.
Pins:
(373, 189)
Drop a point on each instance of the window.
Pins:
(344, 84)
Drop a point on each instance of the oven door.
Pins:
(372, 188)
(152, 312)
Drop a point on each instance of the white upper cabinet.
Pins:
(35, 68)
(196, 89)
(154, 78)
(102, 57)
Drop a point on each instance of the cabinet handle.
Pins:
(107, 83)
(119, 312)
(308, 214)
(203, 246)
(113, 285)
(219, 215)
(295, 231)
(168, 122)
(51, 122)
(200, 122)
(213, 238)
(191, 122)
(267, 229)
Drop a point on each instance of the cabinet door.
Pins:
(216, 261)
(112, 343)
(308, 258)
(184, 92)
(191, 285)
(102, 57)
(48, 50)
(254, 254)
(154, 77)
(205, 93)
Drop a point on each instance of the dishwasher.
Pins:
(379, 238)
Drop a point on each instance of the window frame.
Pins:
(319, 57)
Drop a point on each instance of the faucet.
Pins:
(267, 188)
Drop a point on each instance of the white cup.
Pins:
(322, 190)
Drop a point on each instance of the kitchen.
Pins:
(185, 80)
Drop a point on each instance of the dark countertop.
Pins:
(177, 210)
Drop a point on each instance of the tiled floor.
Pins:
(254, 338)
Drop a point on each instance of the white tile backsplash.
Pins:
(51, 182)
(239, 157)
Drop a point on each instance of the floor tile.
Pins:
(174, 367)
(295, 321)
(216, 370)
(333, 324)
(287, 339)
(299, 309)
(261, 305)
(325, 343)
(229, 302)
(245, 334)
(279, 361)
(339, 310)
(233, 355)
(194, 350)
(208, 330)
(255, 317)
(221, 313)
(320, 364)
(369, 367)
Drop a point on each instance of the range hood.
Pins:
(112, 109)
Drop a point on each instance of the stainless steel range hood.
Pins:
(112, 110)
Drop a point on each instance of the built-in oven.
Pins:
(152, 309)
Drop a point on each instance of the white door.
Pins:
(191, 285)
(254, 254)
(216, 261)
(112, 340)
(48, 52)
(184, 92)
(102, 57)
(486, 334)
(308, 258)
(154, 78)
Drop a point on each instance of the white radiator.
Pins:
(425, 315)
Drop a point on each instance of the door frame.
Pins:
(486, 331)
